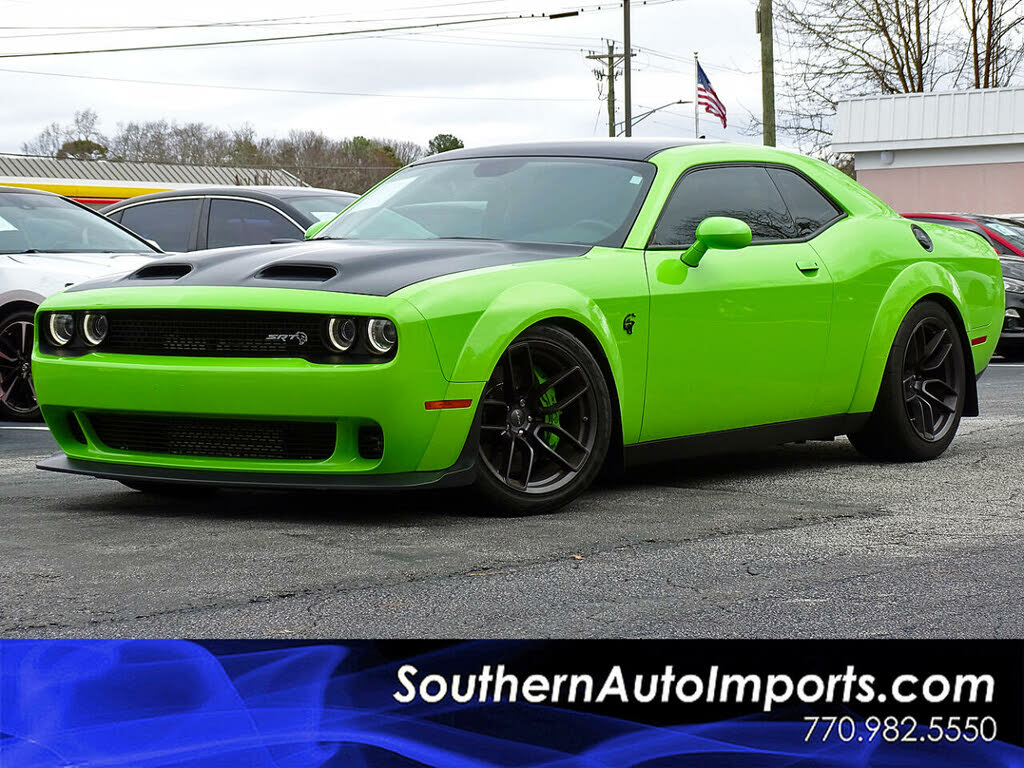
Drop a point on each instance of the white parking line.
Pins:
(36, 429)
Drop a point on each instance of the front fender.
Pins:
(512, 311)
(916, 281)
(516, 309)
(20, 296)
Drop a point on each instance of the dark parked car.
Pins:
(1003, 233)
(1006, 236)
(218, 217)
(1011, 340)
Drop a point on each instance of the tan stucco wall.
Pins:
(991, 188)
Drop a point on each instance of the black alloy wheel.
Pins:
(545, 422)
(932, 381)
(923, 390)
(17, 392)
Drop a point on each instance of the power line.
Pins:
(212, 43)
(324, 35)
(320, 22)
(291, 90)
(270, 21)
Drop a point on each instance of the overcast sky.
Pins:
(521, 79)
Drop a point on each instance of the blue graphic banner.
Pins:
(149, 703)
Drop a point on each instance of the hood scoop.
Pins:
(162, 271)
(313, 273)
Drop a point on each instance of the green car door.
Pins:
(741, 339)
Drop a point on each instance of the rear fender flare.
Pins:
(914, 283)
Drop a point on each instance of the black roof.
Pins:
(27, 191)
(266, 194)
(610, 149)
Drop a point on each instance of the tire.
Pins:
(923, 390)
(169, 490)
(17, 391)
(542, 446)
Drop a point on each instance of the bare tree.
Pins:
(406, 151)
(994, 47)
(353, 164)
(843, 48)
(47, 142)
(83, 128)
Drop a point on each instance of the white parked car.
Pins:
(46, 244)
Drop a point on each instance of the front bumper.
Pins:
(421, 447)
(463, 473)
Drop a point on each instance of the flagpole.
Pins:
(696, 97)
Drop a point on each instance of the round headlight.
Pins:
(61, 328)
(94, 329)
(341, 333)
(381, 335)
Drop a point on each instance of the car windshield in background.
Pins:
(1010, 231)
(524, 199)
(321, 207)
(43, 224)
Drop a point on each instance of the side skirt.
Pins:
(743, 439)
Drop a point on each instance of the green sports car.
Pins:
(516, 318)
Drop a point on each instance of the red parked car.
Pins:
(1007, 237)
(1003, 234)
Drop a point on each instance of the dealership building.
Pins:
(101, 182)
(961, 151)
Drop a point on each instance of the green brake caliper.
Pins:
(547, 400)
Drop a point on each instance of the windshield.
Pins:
(43, 224)
(321, 207)
(1010, 231)
(525, 199)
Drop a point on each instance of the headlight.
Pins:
(94, 329)
(341, 333)
(61, 328)
(381, 335)
(1013, 286)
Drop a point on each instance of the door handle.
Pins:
(808, 266)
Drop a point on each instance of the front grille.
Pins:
(215, 333)
(222, 438)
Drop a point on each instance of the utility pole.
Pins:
(626, 80)
(764, 28)
(610, 59)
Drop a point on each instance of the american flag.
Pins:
(707, 98)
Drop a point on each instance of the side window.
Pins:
(742, 192)
(810, 209)
(237, 222)
(168, 222)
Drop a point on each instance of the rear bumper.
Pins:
(463, 473)
(1012, 334)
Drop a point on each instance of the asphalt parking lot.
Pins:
(805, 540)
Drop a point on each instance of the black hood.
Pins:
(370, 267)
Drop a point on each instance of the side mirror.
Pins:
(314, 229)
(719, 232)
